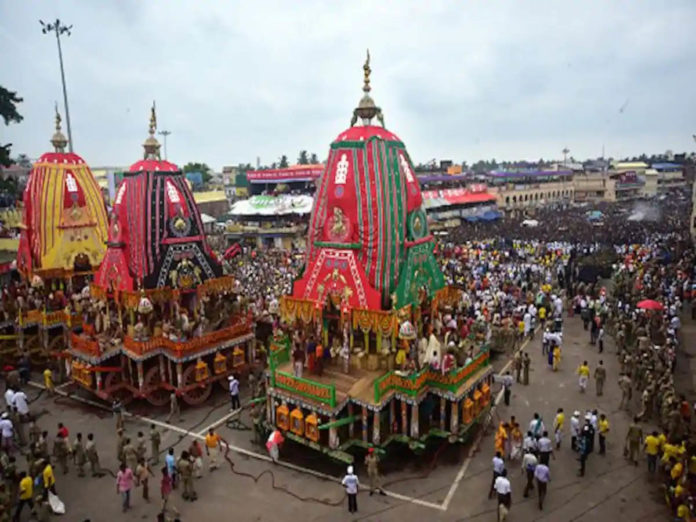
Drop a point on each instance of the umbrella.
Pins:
(649, 304)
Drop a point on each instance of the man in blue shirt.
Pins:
(171, 466)
(234, 392)
(542, 475)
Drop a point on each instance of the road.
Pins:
(449, 483)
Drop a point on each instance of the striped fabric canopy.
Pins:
(64, 215)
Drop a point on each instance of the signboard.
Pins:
(284, 175)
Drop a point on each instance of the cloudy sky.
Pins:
(459, 80)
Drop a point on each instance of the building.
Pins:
(530, 188)
(212, 202)
(446, 208)
(591, 184)
(670, 176)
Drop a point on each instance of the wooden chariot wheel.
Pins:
(155, 393)
(113, 387)
(199, 392)
(38, 355)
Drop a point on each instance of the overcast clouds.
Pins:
(459, 80)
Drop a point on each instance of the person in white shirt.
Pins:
(351, 483)
(502, 487)
(536, 426)
(20, 402)
(7, 432)
(529, 463)
(234, 392)
(545, 448)
(529, 444)
(9, 397)
(498, 470)
(574, 430)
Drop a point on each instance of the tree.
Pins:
(283, 162)
(313, 159)
(302, 159)
(8, 111)
(23, 161)
(199, 167)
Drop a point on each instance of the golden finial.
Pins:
(366, 109)
(153, 119)
(151, 145)
(366, 68)
(59, 141)
(58, 118)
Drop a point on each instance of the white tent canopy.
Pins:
(272, 205)
(206, 219)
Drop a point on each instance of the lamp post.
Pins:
(165, 133)
(59, 29)
(565, 152)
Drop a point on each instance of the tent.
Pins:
(490, 215)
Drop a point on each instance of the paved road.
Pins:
(611, 489)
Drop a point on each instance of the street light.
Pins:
(59, 29)
(164, 133)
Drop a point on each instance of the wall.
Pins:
(512, 196)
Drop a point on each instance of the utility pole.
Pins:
(59, 29)
(164, 133)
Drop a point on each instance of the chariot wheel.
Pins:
(154, 392)
(38, 356)
(114, 389)
(199, 392)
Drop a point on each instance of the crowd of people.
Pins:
(32, 460)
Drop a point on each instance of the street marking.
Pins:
(238, 449)
(220, 421)
(479, 437)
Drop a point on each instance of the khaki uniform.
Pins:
(600, 375)
(120, 443)
(93, 457)
(61, 452)
(141, 448)
(633, 440)
(372, 463)
(130, 455)
(79, 457)
(185, 468)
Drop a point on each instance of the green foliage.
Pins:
(199, 167)
(23, 161)
(8, 111)
(283, 162)
(303, 158)
(313, 159)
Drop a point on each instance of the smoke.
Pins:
(643, 211)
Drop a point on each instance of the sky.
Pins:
(463, 80)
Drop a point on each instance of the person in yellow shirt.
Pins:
(556, 357)
(683, 513)
(212, 448)
(584, 376)
(676, 472)
(663, 440)
(49, 479)
(603, 427)
(558, 427)
(542, 316)
(48, 381)
(26, 492)
(652, 450)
